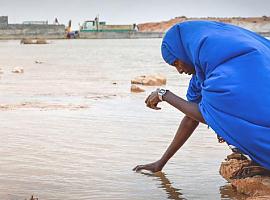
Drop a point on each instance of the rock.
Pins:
(38, 62)
(152, 80)
(267, 197)
(137, 80)
(27, 41)
(230, 167)
(255, 186)
(41, 41)
(18, 70)
(161, 79)
(136, 89)
(33, 198)
(31, 41)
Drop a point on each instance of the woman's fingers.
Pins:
(149, 167)
(153, 106)
(149, 102)
(146, 100)
(141, 167)
(152, 101)
(138, 168)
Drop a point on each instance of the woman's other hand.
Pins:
(152, 100)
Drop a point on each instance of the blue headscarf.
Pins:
(171, 53)
(232, 81)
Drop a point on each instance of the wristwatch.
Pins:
(161, 93)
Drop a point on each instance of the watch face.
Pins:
(162, 91)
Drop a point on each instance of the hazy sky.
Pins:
(127, 11)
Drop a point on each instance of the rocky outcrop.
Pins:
(246, 177)
(152, 80)
(253, 186)
(136, 89)
(267, 197)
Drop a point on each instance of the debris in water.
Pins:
(18, 70)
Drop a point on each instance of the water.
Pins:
(68, 132)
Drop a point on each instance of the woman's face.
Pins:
(183, 67)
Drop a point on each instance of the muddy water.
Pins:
(70, 128)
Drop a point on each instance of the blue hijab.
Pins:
(232, 81)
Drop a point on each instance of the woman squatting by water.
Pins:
(229, 89)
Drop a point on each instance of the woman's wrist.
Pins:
(167, 95)
(162, 162)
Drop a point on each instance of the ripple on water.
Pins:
(89, 152)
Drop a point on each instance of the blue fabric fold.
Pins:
(232, 81)
(172, 52)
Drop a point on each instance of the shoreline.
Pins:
(148, 30)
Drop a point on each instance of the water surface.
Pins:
(71, 129)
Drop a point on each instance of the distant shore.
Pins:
(260, 25)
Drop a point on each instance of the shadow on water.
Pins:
(166, 185)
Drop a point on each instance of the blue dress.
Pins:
(232, 81)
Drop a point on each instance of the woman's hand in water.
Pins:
(152, 100)
(153, 167)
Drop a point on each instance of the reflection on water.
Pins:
(70, 128)
(228, 192)
(166, 185)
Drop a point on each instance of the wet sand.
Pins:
(71, 129)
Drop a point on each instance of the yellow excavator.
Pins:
(71, 34)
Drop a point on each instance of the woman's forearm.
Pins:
(188, 108)
(186, 128)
